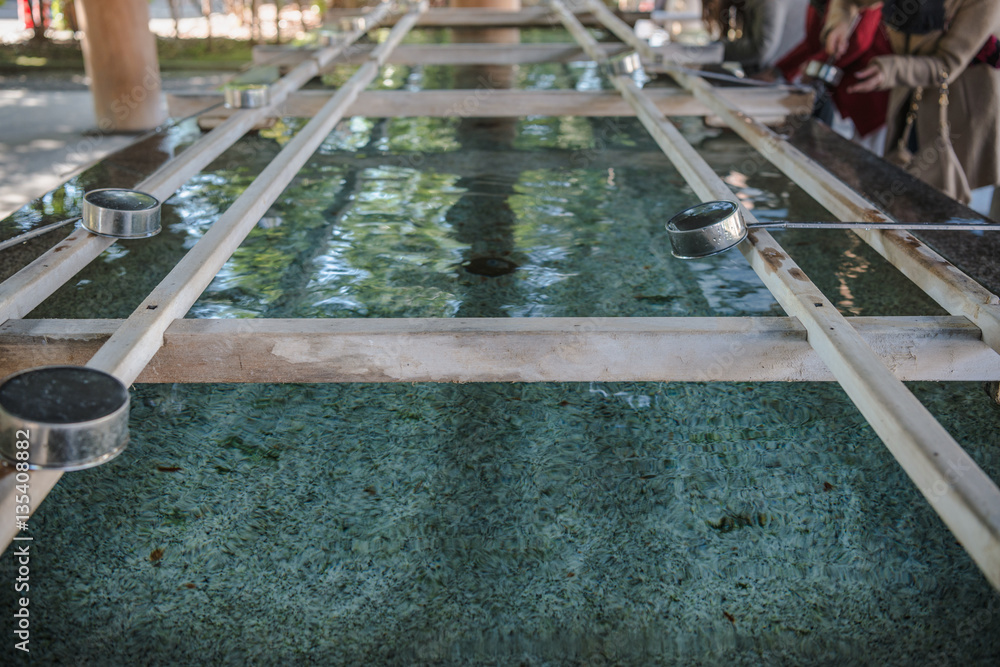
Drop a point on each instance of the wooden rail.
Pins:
(969, 503)
(865, 356)
(27, 288)
(450, 17)
(655, 349)
(955, 291)
(131, 347)
(463, 53)
(438, 54)
(766, 105)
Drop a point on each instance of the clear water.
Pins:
(593, 523)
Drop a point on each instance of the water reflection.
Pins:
(625, 523)
(380, 220)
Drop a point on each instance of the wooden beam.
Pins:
(485, 18)
(132, 346)
(764, 104)
(675, 349)
(439, 54)
(27, 288)
(954, 290)
(619, 28)
(969, 502)
(137, 340)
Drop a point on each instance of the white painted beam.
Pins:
(675, 349)
(462, 53)
(128, 351)
(471, 17)
(969, 503)
(27, 288)
(770, 106)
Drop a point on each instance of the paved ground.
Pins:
(47, 125)
(43, 141)
(48, 132)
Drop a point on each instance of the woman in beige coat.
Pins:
(935, 42)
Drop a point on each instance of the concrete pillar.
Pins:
(119, 53)
(488, 35)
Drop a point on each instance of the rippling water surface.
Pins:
(593, 523)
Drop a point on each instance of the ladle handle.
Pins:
(734, 79)
(35, 232)
(931, 226)
(830, 59)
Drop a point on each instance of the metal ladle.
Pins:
(247, 95)
(826, 71)
(716, 226)
(62, 418)
(731, 78)
(115, 212)
(121, 213)
(624, 64)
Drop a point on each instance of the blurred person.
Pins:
(757, 33)
(866, 111)
(944, 105)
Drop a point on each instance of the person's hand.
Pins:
(838, 39)
(869, 79)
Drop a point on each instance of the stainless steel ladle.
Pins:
(826, 71)
(115, 212)
(62, 418)
(716, 226)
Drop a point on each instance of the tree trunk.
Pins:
(38, 20)
(233, 7)
(69, 16)
(175, 14)
(499, 76)
(119, 53)
(488, 35)
(278, 4)
(236, 8)
(255, 31)
(206, 10)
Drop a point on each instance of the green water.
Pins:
(588, 523)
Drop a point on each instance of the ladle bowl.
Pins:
(826, 72)
(121, 213)
(352, 23)
(706, 229)
(247, 96)
(626, 64)
(716, 226)
(63, 417)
